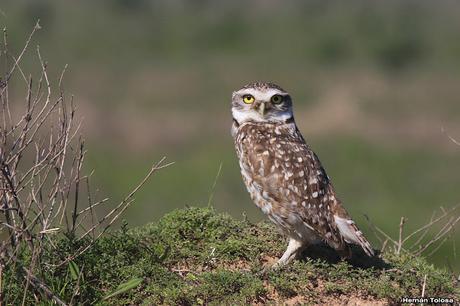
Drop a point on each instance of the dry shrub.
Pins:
(42, 189)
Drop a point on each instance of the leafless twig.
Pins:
(424, 285)
(447, 220)
(450, 137)
(401, 226)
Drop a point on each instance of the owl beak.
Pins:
(262, 109)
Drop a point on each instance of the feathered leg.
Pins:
(293, 250)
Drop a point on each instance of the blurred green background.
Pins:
(374, 86)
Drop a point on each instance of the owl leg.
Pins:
(294, 248)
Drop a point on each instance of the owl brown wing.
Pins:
(291, 177)
(324, 210)
(287, 181)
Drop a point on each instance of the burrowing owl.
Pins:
(284, 176)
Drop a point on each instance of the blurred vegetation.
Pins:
(373, 85)
(194, 256)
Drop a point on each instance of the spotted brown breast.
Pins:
(286, 180)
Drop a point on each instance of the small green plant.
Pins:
(124, 287)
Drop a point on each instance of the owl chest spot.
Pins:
(260, 197)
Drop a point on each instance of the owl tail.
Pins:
(352, 234)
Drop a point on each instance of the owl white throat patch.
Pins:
(242, 116)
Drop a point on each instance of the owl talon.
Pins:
(268, 268)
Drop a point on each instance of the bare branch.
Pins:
(36, 27)
(127, 200)
(400, 241)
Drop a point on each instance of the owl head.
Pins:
(261, 102)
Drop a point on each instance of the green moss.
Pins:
(194, 256)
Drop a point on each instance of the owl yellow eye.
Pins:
(277, 99)
(248, 99)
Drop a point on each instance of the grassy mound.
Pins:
(195, 256)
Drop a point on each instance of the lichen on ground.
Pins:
(195, 256)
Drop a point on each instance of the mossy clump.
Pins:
(194, 256)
